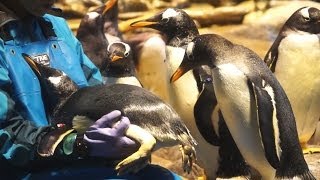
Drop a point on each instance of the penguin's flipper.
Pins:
(264, 100)
(204, 107)
(272, 55)
(271, 59)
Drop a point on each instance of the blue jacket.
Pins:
(23, 118)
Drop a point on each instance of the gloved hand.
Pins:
(106, 137)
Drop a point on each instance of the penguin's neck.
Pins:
(181, 38)
(122, 68)
(54, 95)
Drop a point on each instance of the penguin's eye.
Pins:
(190, 56)
(165, 20)
(306, 19)
(126, 54)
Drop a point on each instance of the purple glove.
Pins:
(106, 137)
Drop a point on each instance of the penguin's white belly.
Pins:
(298, 71)
(124, 80)
(151, 68)
(240, 113)
(184, 94)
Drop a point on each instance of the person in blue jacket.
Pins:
(26, 26)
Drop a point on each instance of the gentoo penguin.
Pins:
(196, 110)
(120, 71)
(253, 104)
(154, 123)
(294, 59)
(92, 37)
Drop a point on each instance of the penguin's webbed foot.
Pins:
(188, 157)
(310, 150)
(142, 156)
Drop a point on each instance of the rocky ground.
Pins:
(240, 24)
(171, 159)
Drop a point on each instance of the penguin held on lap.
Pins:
(294, 59)
(154, 124)
(254, 106)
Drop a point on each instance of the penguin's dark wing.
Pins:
(272, 55)
(264, 100)
(204, 106)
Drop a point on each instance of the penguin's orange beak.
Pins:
(178, 73)
(142, 23)
(31, 63)
(116, 58)
(108, 5)
(183, 68)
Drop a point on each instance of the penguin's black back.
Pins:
(139, 105)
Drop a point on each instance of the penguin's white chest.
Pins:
(151, 68)
(184, 94)
(298, 71)
(240, 113)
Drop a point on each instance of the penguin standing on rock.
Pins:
(154, 124)
(253, 104)
(199, 110)
(294, 59)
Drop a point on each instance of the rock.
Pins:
(279, 12)
(170, 158)
(220, 15)
(134, 5)
(126, 6)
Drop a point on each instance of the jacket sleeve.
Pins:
(18, 136)
(62, 29)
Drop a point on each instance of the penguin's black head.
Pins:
(120, 62)
(109, 14)
(92, 21)
(199, 52)
(306, 19)
(171, 22)
(56, 86)
(118, 50)
(107, 9)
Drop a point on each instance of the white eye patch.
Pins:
(93, 15)
(190, 49)
(56, 79)
(125, 45)
(169, 13)
(305, 12)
